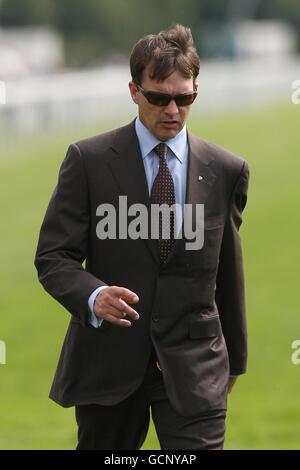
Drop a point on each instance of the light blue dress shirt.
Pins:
(177, 160)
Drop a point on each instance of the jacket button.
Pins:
(155, 318)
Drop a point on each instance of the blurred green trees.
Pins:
(97, 29)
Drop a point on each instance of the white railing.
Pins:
(83, 97)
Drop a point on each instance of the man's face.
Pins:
(164, 122)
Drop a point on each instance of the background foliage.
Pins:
(94, 30)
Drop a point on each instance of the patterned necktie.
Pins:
(163, 193)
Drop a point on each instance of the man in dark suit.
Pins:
(155, 321)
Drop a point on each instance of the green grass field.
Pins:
(263, 408)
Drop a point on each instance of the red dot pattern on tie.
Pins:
(163, 193)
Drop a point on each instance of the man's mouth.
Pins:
(170, 123)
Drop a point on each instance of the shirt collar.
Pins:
(148, 141)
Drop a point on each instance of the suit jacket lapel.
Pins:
(129, 172)
(200, 179)
(200, 175)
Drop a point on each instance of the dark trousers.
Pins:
(124, 426)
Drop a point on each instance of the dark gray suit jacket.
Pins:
(192, 311)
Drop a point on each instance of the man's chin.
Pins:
(167, 134)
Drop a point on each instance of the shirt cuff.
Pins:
(93, 320)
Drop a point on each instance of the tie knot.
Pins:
(161, 150)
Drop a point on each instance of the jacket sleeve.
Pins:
(230, 285)
(63, 241)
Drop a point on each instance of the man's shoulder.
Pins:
(216, 154)
(101, 142)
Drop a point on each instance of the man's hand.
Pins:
(111, 305)
(231, 383)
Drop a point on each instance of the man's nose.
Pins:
(171, 108)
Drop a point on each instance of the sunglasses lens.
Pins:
(158, 99)
(185, 100)
(163, 99)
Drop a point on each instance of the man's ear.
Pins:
(134, 92)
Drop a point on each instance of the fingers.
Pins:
(126, 294)
(117, 321)
(111, 305)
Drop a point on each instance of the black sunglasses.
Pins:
(163, 99)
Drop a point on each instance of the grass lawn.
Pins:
(263, 411)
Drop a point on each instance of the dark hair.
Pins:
(166, 52)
